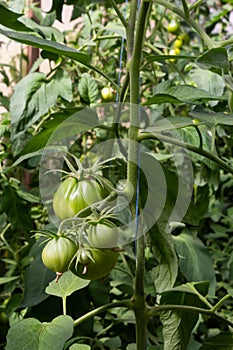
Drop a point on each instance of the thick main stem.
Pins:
(134, 55)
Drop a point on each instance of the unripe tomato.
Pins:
(178, 43)
(103, 235)
(108, 94)
(173, 27)
(58, 253)
(173, 52)
(103, 262)
(73, 195)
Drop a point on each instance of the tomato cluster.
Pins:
(89, 253)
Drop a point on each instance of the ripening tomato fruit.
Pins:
(103, 262)
(108, 94)
(73, 195)
(58, 253)
(104, 234)
(173, 27)
(178, 43)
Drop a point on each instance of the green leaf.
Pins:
(183, 93)
(34, 96)
(37, 277)
(216, 58)
(178, 325)
(193, 255)
(212, 118)
(31, 334)
(38, 153)
(88, 88)
(9, 19)
(16, 209)
(4, 280)
(164, 275)
(78, 122)
(66, 285)
(48, 45)
(198, 206)
(222, 341)
(208, 81)
(169, 124)
(57, 6)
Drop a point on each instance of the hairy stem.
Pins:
(134, 47)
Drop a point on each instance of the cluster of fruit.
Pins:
(90, 249)
(180, 39)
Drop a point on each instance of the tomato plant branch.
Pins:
(221, 302)
(118, 12)
(189, 146)
(160, 308)
(122, 303)
(205, 37)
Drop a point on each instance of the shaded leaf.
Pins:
(9, 19)
(222, 341)
(77, 122)
(212, 118)
(31, 334)
(57, 6)
(214, 58)
(193, 255)
(4, 280)
(37, 277)
(178, 325)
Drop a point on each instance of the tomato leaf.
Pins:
(88, 88)
(178, 325)
(9, 19)
(215, 58)
(67, 284)
(48, 45)
(193, 255)
(183, 93)
(30, 99)
(31, 334)
(222, 341)
(37, 277)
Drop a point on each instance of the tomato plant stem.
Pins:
(134, 47)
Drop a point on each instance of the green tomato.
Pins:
(173, 27)
(72, 196)
(58, 253)
(108, 94)
(103, 262)
(178, 43)
(104, 234)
